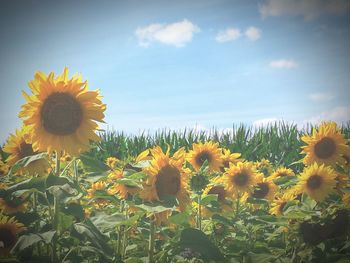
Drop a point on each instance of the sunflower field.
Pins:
(70, 192)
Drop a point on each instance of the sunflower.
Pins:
(10, 206)
(223, 195)
(166, 177)
(264, 166)
(61, 114)
(208, 151)
(19, 146)
(264, 189)
(279, 204)
(4, 168)
(318, 181)
(9, 228)
(93, 193)
(282, 172)
(325, 146)
(228, 157)
(123, 191)
(111, 162)
(342, 181)
(240, 177)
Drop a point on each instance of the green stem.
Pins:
(237, 204)
(120, 233)
(199, 214)
(75, 168)
(56, 213)
(152, 229)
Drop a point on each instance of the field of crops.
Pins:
(71, 193)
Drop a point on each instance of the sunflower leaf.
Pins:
(24, 162)
(31, 239)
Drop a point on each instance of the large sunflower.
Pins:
(228, 157)
(9, 228)
(325, 146)
(166, 177)
(208, 151)
(19, 146)
(61, 114)
(318, 181)
(240, 177)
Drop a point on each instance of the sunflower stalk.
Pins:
(76, 173)
(120, 233)
(199, 212)
(152, 231)
(55, 257)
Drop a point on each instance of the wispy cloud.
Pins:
(283, 63)
(253, 33)
(321, 97)
(308, 8)
(230, 34)
(337, 114)
(177, 34)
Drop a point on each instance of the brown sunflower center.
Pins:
(61, 114)
(325, 148)
(7, 237)
(240, 179)
(282, 174)
(25, 150)
(168, 182)
(202, 157)
(314, 182)
(261, 191)
(226, 164)
(218, 190)
(281, 207)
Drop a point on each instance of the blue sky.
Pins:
(179, 64)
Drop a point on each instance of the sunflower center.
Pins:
(314, 182)
(202, 157)
(281, 207)
(261, 191)
(61, 114)
(282, 174)
(7, 238)
(325, 148)
(219, 190)
(226, 164)
(25, 150)
(240, 179)
(168, 182)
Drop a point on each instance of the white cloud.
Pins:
(230, 34)
(253, 33)
(337, 114)
(308, 8)
(265, 122)
(283, 63)
(321, 97)
(176, 34)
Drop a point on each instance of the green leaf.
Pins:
(26, 241)
(53, 179)
(206, 200)
(284, 179)
(64, 221)
(26, 161)
(153, 208)
(128, 182)
(199, 242)
(32, 183)
(106, 222)
(91, 164)
(179, 219)
(137, 176)
(261, 257)
(252, 200)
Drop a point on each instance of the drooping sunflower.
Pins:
(240, 177)
(228, 157)
(9, 228)
(19, 146)
(281, 172)
(166, 177)
(11, 206)
(264, 166)
(223, 196)
(325, 146)
(61, 114)
(93, 193)
(208, 151)
(121, 190)
(318, 181)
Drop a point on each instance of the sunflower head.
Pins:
(279, 203)
(318, 181)
(12, 205)
(282, 172)
(123, 191)
(264, 189)
(205, 152)
(228, 157)
(93, 193)
(19, 146)
(111, 162)
(61, 113)
(166, 177)
(326, 146)
(240, 177)
(264, 166)
(9, 228)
